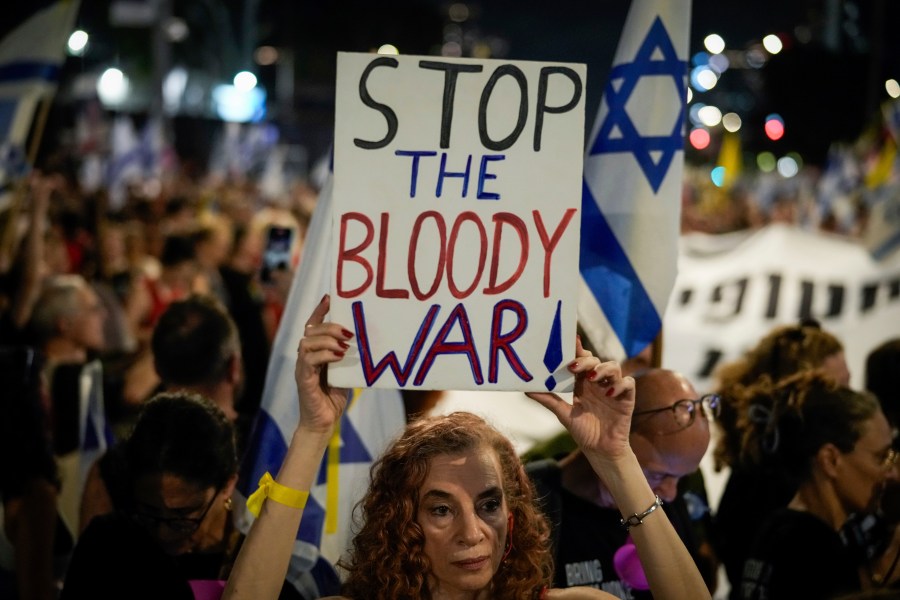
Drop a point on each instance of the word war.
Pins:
(502, 337)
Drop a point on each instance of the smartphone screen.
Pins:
(277, 255)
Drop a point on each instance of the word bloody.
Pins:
(446, 253)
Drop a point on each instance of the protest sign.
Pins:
(457, 198)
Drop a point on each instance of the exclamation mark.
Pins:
(553, 356)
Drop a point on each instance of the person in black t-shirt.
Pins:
(835, 444)
(670, 435)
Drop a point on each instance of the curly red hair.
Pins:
(387, 559)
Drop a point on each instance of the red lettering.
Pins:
(353, 254)
(373, 371)
(502, 342)
(549, 244)
(442, 346)
(518, 226)
(413, 251)
(454, 234)
(380, 290)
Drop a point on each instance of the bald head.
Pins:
(666, 450)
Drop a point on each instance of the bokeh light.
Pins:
(774, 127)
(244, 81)
(892, 88)
(787, 166)
(699, 138)
(766, 162)
(731, 122)
(772, 44)
(710, 116)
(714, 43)
(112, 86)
(388, 49)
(703, 78)
(266, 55)
(717, 175)
(77, 42)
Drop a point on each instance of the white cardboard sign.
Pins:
(457, 201)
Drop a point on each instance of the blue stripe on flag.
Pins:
(7, 114)
(267, 450)
(27, 71)
(613, 280)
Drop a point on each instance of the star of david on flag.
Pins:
(372, 419)
(631, 195)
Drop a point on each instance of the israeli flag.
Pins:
(631, 196)
(31, 54)
(373, 418)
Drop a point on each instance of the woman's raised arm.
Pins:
(599, 419)
(262, 563)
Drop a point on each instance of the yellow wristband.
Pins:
(269, 488)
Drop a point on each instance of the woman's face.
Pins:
(173, 509)
(865, 469)
(463, 514)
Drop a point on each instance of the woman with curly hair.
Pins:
(784, 351)
(403, 527)
(753, 491)
(835, 445)
(449, 512)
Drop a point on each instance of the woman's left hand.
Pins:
(599, 418)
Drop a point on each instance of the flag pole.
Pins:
(656, 351)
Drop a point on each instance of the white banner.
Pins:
(732, 290)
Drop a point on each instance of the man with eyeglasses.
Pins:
(670, 435)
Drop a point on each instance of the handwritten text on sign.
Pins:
(457, 194)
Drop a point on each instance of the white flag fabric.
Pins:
(94, 437)
(631, 198)
(373, 418)
(31, 53)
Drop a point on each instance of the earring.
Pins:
(228, 503)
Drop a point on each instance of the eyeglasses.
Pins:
(685, 411)
(180, 525)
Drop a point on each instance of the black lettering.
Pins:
(389, 115)
(729, 304)
(451, 70)
(713, 356)
(806, 299)
(869, 293)
(542, 107)
(509, 140)
(774, 292)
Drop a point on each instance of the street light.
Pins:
(112, 86)
(245, 81)
(77, 42)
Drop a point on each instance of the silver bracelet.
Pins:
(638, 519)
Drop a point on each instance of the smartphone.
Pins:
(277, 254)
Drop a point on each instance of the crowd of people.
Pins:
(134, 349)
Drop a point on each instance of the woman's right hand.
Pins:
(321, 405)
